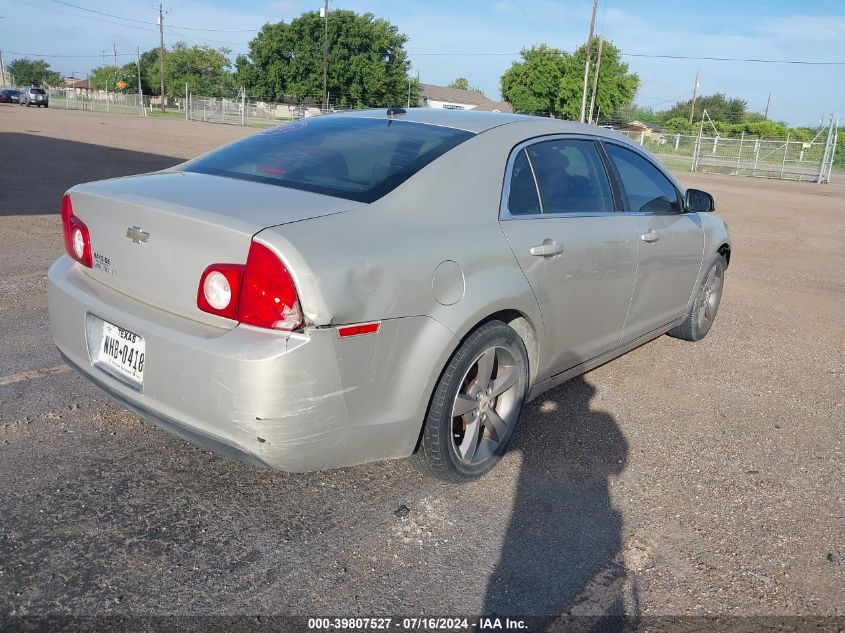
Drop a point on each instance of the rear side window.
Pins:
(646, 188)
(523, 198)
(570, 176)
(347, 157)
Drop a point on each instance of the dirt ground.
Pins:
(696, 479)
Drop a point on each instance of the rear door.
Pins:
(577, 252)
(671, 241)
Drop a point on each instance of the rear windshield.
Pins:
(347, 157)
(37, 91)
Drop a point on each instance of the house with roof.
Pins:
(639, 130)
(456, 99)
(77, 85)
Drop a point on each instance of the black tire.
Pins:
(705, 306)
(445, 435)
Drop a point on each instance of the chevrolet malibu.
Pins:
(380, 284)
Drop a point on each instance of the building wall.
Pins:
(448, 105)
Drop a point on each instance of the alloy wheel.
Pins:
(711, 294)
(486, 407)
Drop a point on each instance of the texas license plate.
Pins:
(123, 352)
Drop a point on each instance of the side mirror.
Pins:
(697, 201)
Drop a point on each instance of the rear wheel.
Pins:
(702, 314)
(476, 405)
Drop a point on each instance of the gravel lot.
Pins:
(683, 478)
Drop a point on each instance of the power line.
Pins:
(196, 28)
(110, 15)
(738, 59)
(645, 55)
(65, 56)
(86, 17)
(186, 28)
(440, 54)
(139, 28)
(201, 40)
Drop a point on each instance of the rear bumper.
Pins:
(187, 433)
(298, 402)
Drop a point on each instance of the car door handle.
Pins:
(549, 248)
(651, 236)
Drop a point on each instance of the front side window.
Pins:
(570, 176)
(647, 189)
(357, 158)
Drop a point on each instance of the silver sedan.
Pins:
(380, 284)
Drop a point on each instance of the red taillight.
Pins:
(268, 296)
(77, 238)
(260, 293)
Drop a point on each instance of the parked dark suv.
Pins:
(35, 96)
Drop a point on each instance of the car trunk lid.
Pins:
(152, 236)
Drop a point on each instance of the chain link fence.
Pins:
(245, 111)
(236, 111)
(785, 159)
(100, 101)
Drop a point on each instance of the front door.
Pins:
(578, 254)
(671, 242)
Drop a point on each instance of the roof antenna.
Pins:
(394, 110)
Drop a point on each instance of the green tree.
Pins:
(550, 81)
(718, 106)
(533, 84)
(616, 86)
(33, 72)
(107, 78)
(632, 112)
(367, 64)
(462, 83)
(149, 60)
(206, 70)
(678, 125)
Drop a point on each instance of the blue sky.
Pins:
(770, 30)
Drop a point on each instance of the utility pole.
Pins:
(412, 69)
(161, 51)
(694, 95)
(114, 52)
(140, 90)
(587, 62)
(325, 16)
(766, 113)
(2, 70)
(595, 82)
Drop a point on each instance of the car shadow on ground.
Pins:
(37, 170)
(562, 547)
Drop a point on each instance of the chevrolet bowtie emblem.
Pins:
(135, 234)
